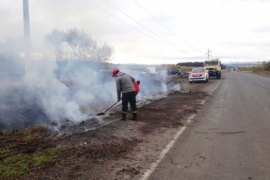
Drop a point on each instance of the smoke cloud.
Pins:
(38, 91)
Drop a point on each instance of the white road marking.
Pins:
(153, 166)
(262, 89)
(202, 102)
(215, 88)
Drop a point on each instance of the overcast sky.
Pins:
(152, 31)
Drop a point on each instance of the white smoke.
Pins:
(49, 90)
(45, 90)
(152, 85)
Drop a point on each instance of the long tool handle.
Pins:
(111, 107)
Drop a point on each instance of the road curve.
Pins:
(229, 137)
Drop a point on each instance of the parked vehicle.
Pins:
(214, 68)
(177, 72)
(198, 74)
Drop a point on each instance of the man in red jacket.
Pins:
(125, 85)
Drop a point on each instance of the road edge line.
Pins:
(215, 88)
(153, 166)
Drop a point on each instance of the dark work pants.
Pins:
(129, 97)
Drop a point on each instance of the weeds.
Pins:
(14, 166)
(46, 157)
(26, 151)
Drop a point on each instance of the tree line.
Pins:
(266, 65)
(191, 64)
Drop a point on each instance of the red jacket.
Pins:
(137, 88)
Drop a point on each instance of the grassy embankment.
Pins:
(26, 151)
(260, 70)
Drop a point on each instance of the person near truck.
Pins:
(125, 87)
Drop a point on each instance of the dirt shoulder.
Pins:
(113, 149)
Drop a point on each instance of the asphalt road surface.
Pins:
(229, 139)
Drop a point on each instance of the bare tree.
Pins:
(77, 45)
(104, 53)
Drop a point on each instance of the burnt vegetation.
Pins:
(81, 148)
(37, 153)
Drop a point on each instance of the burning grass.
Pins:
(26, 151)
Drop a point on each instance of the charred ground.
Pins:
(101, 148)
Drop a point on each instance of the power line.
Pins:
(166, 27)
(141, 25)
(123, 21)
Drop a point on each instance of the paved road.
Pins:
(229, 138)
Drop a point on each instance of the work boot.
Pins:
(134, 118)
(123, 117)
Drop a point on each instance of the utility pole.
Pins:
(26, 25)
(208, 54)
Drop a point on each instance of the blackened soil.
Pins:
(119, 149)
